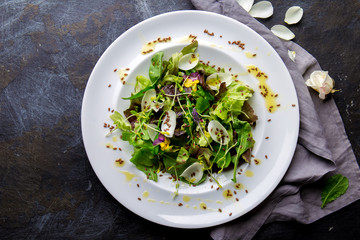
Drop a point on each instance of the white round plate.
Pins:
(154, 200)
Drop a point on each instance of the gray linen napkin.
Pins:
(323, 148)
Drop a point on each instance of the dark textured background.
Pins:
(48, 189)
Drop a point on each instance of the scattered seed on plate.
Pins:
(208, 33)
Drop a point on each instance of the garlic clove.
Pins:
(218, 132)
(193, 173)
(169, 123)
(148, 98)
(215, 79)
(189, 61)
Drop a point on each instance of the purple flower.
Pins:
(159, 140)
(193, 76)
(179, 114)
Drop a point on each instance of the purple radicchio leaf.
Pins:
(195, 116)
(159, 140)
(169, 89)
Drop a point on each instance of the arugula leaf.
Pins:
(120, 121)
(191, 48)
(155, 69)
(244, 141)
(223, 159)
(335, 186)
(139, 94)
(155, 72)
(203, 93)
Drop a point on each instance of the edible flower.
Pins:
(192, 80)
(159, 140)
(164, 145)
(321, 82)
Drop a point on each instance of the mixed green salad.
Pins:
(187, 119)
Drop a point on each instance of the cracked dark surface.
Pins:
(48, 49)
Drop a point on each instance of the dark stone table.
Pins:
(48, 189)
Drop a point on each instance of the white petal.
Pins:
(292, 55)
(152, 133)
(215, 79)
(293, 15)
(169, 123)
(282, 32)
(148, 98)
(246, 4)
(218, 133)
(263, 9)
(189, 61)
(193, 173)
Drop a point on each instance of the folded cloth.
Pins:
(322, 150)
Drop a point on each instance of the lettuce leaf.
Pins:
(182, 156)
(173, 65)
(141, 83)
(145, 160)
(120, 121)
(232, 101)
